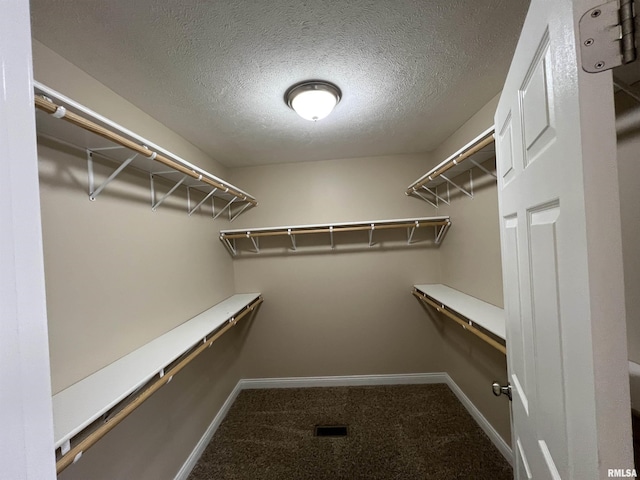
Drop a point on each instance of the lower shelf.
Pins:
(484, 320)
(138, 374)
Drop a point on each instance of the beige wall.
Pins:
(337, 312)
(628, 120)
(118, 275)
(471, 263)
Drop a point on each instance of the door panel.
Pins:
(566, 339)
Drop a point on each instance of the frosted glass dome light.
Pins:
(313, 100)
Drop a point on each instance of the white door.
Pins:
(562, 260)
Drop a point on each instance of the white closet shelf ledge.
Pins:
(469, 311)
(69, 122)
(82, 403)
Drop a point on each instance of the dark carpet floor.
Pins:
(403, 432)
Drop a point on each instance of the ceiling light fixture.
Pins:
(313, 100)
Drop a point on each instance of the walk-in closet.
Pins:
(224, 285)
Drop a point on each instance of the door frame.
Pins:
(26, 415)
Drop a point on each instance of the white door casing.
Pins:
(26, 417)
(562, 255)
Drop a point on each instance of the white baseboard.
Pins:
(484, 424)
(197, 452)
(344, 381)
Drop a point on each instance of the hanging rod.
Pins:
(251, 233)
(75, 452)
(44, 103)
(482, 141)
(441, 225)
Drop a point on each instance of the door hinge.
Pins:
(607, 36)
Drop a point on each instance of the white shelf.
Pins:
(79, 405)
(487, 316)
(440, 224)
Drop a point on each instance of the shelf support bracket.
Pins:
(202, 201)
(255, 241)
(485, 170)
(293, 239)
(441, 231)
(470, 195)
(244, 207)
(331, 237)
(225, 207)
(411, 231)
(93, 194)
(419, 194)
(230, 246)
(155, 205)
(435, 194)
(373, 227)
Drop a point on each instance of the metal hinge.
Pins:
(607, 36)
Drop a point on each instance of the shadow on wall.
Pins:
(63, 166)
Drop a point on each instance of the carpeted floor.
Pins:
(403, 432)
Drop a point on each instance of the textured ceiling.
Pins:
(411, 72)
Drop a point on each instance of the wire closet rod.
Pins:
(45, 104)
(451, 162)
(460, 321)
(358, 227)
(76, 451)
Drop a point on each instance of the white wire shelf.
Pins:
(440, 224)
(472, 155)
(62, 119)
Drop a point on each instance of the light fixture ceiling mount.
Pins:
(313, 99)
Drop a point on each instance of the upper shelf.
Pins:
(62, 119)
(441, 225)
(472, 155)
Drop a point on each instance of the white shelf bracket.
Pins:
(331, 237)
(435, 194)
(255, 241)
(93, 194)
(228, 205)
(373, 227)
(411, 231)
(237, 214)
(65, 447)
(191, 211)
(230, 246)
(485, 170)
(468, 194)
(441, 231)
(155, 205)
(419, 194)
(293, 239)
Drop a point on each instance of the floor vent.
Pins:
(331, 431)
